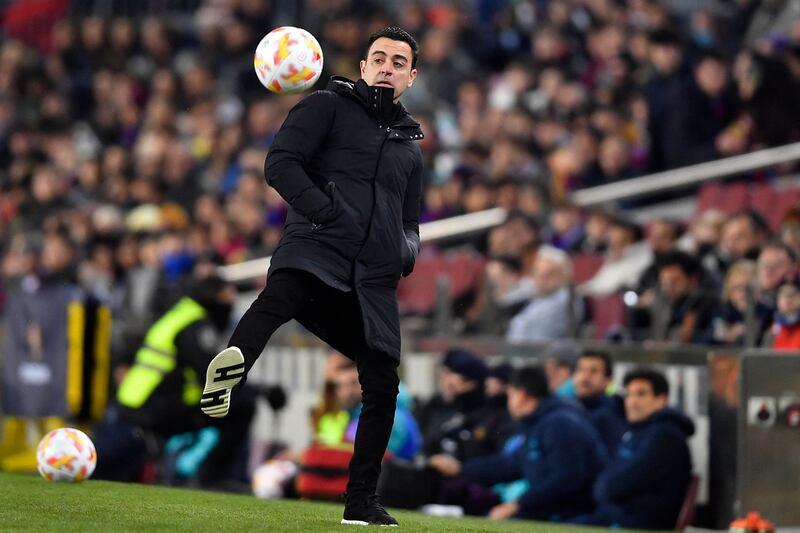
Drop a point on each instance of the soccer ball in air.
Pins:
(288, 60)
(66, 454)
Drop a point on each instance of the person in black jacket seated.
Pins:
(592, 377)
(555, 450)
(470, 424)
(646, 482)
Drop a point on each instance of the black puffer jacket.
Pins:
(346, 162)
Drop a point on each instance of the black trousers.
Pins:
(334, 316)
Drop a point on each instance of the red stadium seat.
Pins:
(764, 199)
(416, 294)
(584, 266)
(709, 197)
(735, 197)
(607, 312)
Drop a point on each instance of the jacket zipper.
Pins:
(388, 132)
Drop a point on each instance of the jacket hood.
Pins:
(673, 416)
(379, 101)
(550, 405)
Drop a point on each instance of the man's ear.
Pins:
(412, 77)
(362, 64)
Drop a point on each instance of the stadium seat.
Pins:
(763, 199)
(735, 197)
(709, 197)
(416, 294)
(607, 313)
(686, 514)
(584, 266)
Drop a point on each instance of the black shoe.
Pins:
(367, 512)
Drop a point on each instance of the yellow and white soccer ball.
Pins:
(66, 454)
(288, 60)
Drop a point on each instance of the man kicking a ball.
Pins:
(346, 162)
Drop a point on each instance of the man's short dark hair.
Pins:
(776, 244)
(396, 34)
(532, 380)
(688, 264)
(656, 379)
(608, 365)
(757, 221)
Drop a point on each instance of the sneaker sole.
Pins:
(224, 372)
(362, 523)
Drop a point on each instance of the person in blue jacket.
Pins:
(646, 482)
(556, 451)
(592, 378)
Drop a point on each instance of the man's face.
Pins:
(774, 264)
(711, 76)
(519, 403)
(738, 237)
(454, 384)
(674, 282)
(348, 389)
(388, 64)
(640, 402)
(788, 300)
(661, 237)
(548, 276)
(590, 377)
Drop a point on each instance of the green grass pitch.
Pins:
(29, 503)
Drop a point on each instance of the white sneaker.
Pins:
(223, 373)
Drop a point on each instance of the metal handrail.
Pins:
(429, 232)
(681, 177)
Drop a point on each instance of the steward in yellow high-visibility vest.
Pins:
(163, 385)
(161, 390)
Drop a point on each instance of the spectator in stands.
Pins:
(566, 227)
(742, 236)
(790, 228)
(704, 233)
(683, 309)
(662, 236)
(786, 329)
(667, 59)
(729, 325)
(595, 241)
(776, 262)
(592, 378)
(545, 317)
(645, 484)
(694, 130)
(627, 257)
(515, 237)
(556, 450)
(503, 292)
(771, 99)
(613, 159)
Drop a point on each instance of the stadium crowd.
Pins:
(134, 144)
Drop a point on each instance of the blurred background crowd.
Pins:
(133, 142)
